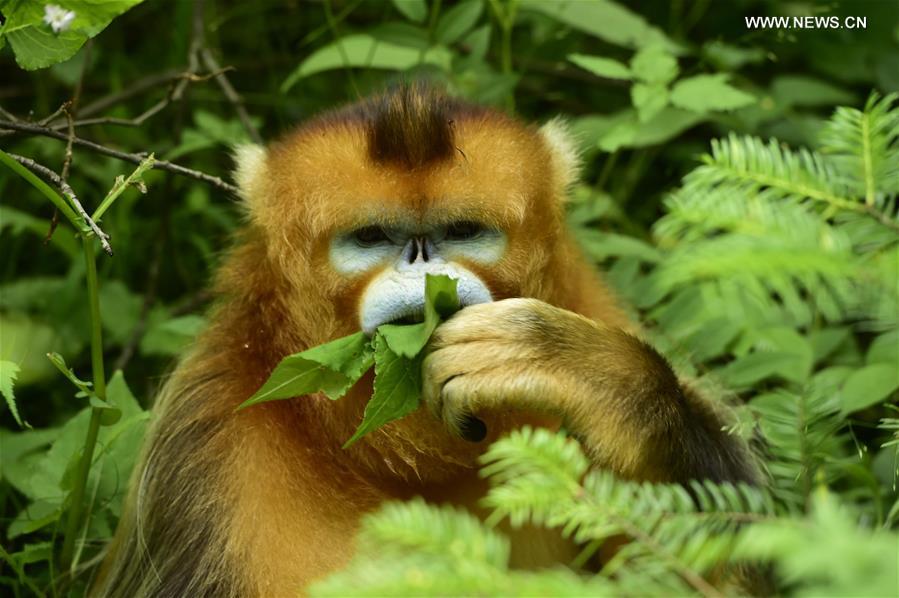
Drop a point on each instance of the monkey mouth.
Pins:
(413, 318)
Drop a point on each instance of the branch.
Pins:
(231, 94)
(34, 129)
(70, 195)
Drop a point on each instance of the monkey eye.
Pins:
(463, 231)
(369, 236)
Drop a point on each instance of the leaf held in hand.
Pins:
(397, 389)
(331, 368)
(395, 351)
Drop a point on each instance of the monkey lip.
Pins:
(413, 318)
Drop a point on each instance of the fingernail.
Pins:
(473, 429)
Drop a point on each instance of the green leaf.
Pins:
(397, 389)
(36, 45)
(458, 21)
(602, 67)
(795, 90)
(869, 386)
(478, 42)
(884, 348)
(414, 10)
(601, 244)
(709, 92)
(8, 373)
(654, 65)
(364, 50)
(606, 20)
(19, 450)
(109, 415)
(441, 301)
(331, 368)
(17, 221)
(757, 366)
(170, 336)
(649, 100)
(827, 340)
(629, 131)
(57, 360)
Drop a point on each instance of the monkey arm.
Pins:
(613, 391)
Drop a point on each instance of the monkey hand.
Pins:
(608, 387)
(612, 391)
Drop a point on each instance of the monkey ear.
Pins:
(249, 169)
(565, 156)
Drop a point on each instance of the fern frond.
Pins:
(863, 145)
(805, 439)
(694, 213)
(829, 553)
(799, 175)
(534, 471)
(674, 535)
(371, 575)
(415, 527)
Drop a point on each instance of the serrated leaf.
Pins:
(37, 46)
(654, 65)
(397, 389)
(602, 67)
(8, 373)
(457, 21)
(414, 10)
(709, 92)
(331, 368)
(869, 386)
(441, 301)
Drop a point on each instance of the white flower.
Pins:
(58, 18)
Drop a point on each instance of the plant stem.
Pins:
(76, 505)
(44, 188)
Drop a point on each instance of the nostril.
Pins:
(417, 249)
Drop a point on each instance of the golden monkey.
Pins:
(344, 217)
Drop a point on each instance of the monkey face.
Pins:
(403, 255)
(356, 206)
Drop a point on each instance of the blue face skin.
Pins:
(367, 247)
(404, 255)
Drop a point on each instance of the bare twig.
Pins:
(7, 114)
(133, 89)
(230, 93)
(70, 195)
(174, 94)
(34, 129)
(43, 122)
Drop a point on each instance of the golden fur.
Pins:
(263, 501)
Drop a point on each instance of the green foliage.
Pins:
(394, 350)
(37, 44)
(769, 271)
(9, 371)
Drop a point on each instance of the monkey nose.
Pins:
(418, 250)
